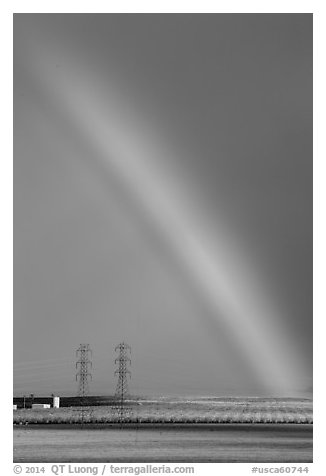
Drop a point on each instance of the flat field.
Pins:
(164, 443)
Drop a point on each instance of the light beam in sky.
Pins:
(125, 143)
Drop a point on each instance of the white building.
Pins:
(56, 402)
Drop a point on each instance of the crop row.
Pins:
(69, 417)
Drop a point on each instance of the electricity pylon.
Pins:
(83, 375)
(122, 392)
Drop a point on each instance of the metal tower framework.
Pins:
(122, 392)
(83, 375)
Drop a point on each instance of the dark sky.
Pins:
(163, 196)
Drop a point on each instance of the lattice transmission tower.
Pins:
(122, 410)
(83, 375)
